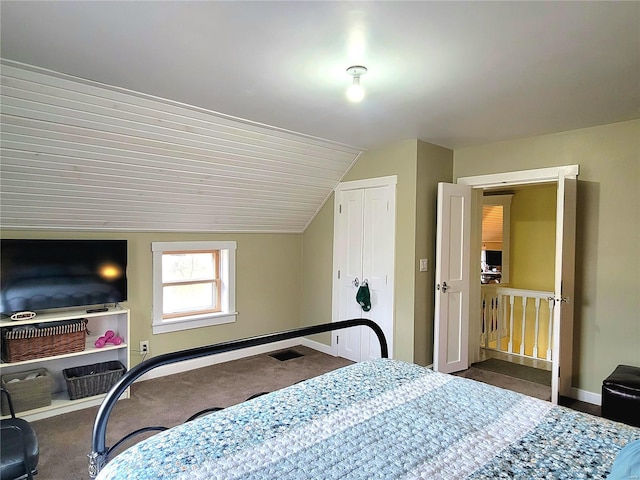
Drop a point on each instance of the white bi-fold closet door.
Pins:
(364, 251)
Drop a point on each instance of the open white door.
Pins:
(561, 365)
(453, 277)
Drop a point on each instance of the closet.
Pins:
(364, 252)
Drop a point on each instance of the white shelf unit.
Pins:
(115, 318)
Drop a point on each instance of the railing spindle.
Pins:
(536, 329)
(497, 308)
(504, 318)
(511, 302)
(524, 321)
(550, 334)
(483, 335)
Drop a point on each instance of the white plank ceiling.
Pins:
(77, 155)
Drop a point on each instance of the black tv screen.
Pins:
(494, 258)
(45, 274)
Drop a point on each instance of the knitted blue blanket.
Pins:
(384, 420)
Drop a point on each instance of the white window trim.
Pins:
(227, 277)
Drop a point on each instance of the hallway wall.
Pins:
(606, 303)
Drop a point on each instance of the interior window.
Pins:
(494, 254)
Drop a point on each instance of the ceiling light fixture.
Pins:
(355, 92)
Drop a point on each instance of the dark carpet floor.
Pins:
(501, 380)
(65, 440)
(523, 372)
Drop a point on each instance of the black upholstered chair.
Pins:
(19, 452)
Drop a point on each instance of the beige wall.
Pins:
(435, 164)
(285, 280)
(317, 263)
(267, 286)
(418, 166)
(398, 159)
(607, 303)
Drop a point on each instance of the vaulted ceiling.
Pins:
(454, 74)
(79, 156)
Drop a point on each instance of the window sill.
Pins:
(198, 321)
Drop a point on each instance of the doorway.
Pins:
(518, 234)
(467, 333)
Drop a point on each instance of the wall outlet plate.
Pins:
(144, 346)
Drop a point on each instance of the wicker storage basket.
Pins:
(93, 379)
(54, 338)
(27, 394)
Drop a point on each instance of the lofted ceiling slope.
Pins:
(77, 155)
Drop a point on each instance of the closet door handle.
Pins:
(442, 288)
(356, 282)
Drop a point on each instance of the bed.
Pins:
(381, 419)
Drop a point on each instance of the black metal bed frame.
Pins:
(99, 455)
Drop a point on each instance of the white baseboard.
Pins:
(235, 355)
(219, 358)
(576, 393)
(320, 347)
(585, 396)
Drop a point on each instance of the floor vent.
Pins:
(286, 355)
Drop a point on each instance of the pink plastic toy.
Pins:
(108, 337)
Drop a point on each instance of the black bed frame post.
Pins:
(99, 454)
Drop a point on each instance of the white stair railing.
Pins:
(499, 311)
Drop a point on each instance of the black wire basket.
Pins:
(90, 380)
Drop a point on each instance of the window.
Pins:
(193, 284)
(494, 255)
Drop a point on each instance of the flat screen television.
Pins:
(46, 274)
(494, 258)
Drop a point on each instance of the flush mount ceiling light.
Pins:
(355, 92)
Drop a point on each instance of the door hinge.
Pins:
(340, 208)
(338, 274)
(337, 339)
